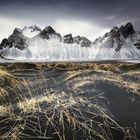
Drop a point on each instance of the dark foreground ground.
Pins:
(69, 101)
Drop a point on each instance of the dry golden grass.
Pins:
(60, 110)
(5, 110)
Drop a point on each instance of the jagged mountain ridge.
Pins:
(120, 42)
(33, 42)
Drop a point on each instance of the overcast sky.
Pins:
(90, 18)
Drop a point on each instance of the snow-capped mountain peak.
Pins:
(33, 28)
(48, 33)
(119, 43)
(33, 43)
(31, 31)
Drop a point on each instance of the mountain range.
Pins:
(34, 43)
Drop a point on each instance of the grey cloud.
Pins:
(106, 13)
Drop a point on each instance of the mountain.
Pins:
(48, 33)
(119, 43)
(34, 43)
(31, 31)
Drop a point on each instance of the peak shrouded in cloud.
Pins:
(85, 17)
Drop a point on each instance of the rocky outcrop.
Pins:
(115, 32)
(48, 32)
(68, 39)
(126, 30)
(82, 41)
(85, 42)
(16, 40)
(77, 39)
(137, 45)
(17, 31)
(33, 28)
(123, 31)
(115, 39)
(4, 43)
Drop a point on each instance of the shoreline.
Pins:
(125, 61)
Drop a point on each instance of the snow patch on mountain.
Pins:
(107, 51)
(31, 31)
(51, 49)
(32, 43)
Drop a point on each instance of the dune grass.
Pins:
(57, 114)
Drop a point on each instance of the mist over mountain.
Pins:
(32, 42)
